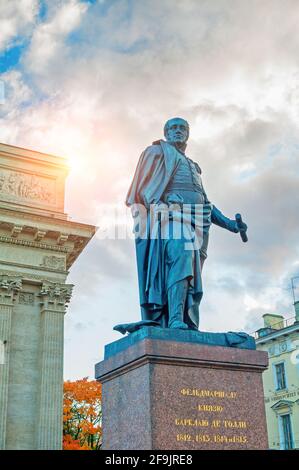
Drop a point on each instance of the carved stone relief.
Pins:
(16, 185)
(26, 298)
(53, 262)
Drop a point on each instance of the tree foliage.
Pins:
(82, 415)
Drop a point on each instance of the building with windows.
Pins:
(280, 338)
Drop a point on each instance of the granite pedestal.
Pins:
(179, 393)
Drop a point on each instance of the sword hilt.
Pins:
(240, 225)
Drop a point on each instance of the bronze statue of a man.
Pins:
(169, 272)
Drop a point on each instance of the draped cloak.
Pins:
(155, 170)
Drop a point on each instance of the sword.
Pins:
(241, 227)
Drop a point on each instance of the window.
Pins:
(280, 376)
(287, 436)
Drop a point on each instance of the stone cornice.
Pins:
(283, 332)
(28, 277)
(34, 268)
(37, 231)
(72, 252)
(34, 244)
(46, 159)
(53, 221)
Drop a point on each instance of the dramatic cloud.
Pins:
(17, 19)
(47, 41)
(97, 80)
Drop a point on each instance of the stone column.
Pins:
(9, 286)
(54, 298)
(38, 244)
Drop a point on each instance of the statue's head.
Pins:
(176, 130)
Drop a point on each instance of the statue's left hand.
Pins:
(241, 227)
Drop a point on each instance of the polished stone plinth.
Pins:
(168, 394)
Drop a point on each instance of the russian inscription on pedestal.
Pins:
(209, 422)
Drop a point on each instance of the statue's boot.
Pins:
(177, 295)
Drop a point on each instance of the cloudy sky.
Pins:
(96, 80)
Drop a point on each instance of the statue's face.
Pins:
(177, 130)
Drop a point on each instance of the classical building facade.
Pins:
(38, 245)
(280, 338)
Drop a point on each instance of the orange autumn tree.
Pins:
(82, 414)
